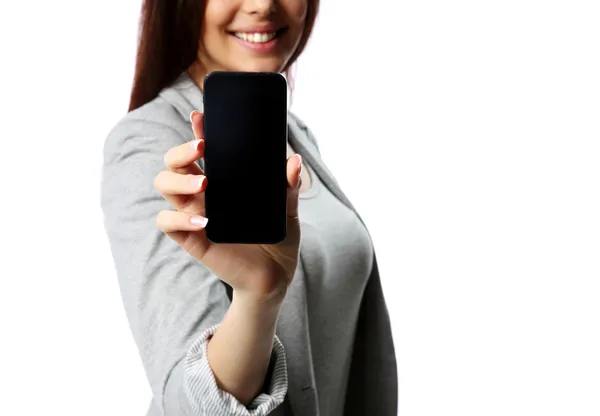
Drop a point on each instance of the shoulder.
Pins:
(156, 126)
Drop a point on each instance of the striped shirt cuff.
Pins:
(207, 399)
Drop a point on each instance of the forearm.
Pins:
(240, 350)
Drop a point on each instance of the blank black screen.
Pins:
(245, 132)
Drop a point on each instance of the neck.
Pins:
(197, 74)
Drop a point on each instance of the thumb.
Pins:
(294, 168)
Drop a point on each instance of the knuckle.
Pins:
(161, 219)
(159, 180)
(169, 157)
(166, 158)
(167, 220)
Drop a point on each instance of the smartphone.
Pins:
(245, 157)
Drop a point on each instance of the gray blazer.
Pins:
(170, 298)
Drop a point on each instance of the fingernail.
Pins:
(195, 145)
(198, 221)
(197, 183)
(192, 114)
(300, 161)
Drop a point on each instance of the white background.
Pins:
(465, 132)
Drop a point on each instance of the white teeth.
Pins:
(255, 37)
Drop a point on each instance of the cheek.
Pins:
(217, 15)
(296, 10)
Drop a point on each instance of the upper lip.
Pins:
(269, 28)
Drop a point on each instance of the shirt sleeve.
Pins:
(172, 301)
(207, 399)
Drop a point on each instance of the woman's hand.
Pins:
(262, 272)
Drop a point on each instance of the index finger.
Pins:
(182, 158)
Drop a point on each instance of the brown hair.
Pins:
(169, 33)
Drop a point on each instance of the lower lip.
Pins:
(259, 47)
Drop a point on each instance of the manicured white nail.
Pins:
(198, 221)
(195, 145)
(197, 182)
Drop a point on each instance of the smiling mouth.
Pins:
(258, 37)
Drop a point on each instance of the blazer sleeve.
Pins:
(173, 303)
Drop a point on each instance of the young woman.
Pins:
(303, 329)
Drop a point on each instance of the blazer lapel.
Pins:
(301, 144)
(293, 327)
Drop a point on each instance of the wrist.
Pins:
(259, 301)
